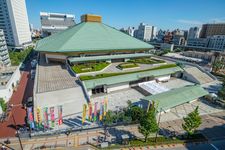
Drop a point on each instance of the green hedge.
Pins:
(103, 75)
(89, 67)
(127, 65)
(146, 61)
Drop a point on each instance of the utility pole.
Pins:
(17, 132)
(14, 121)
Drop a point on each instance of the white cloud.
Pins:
(217, 20)
(189, 22)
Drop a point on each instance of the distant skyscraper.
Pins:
(130, 31)
(54, 22)
(144, 32)
(14, 22)
(212, 29)
(154, 32)
(194, 33)
(4, 55)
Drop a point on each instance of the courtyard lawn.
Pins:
(89, 67)
(127, 65)
(104, 75)
(146, 61)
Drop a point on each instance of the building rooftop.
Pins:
(52, 77)
(90, 36)
(89, 84)
(172, 98)
(108, 57)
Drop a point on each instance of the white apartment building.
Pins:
(9, 79)
(217, 42)
(54, 22)
(194, 33)
(4, 54)
(14, 22)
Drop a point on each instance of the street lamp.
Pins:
(14, 121)
(161, 109)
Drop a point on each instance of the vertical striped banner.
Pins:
(95, 111)
(105, 106)
(101, 111)
(38, 117)
(84, 113)
(90, 111)
(52, 115)
(46, 117)
(30, 117)
(60, 121)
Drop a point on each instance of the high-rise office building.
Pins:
(4, 54)
(144, 32)
(212, 29)
(194, 33)
(54, 22)
(14, 22)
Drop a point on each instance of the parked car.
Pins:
(33, 63)
(29, 102)
(33, 72)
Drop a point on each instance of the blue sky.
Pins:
(165, 14)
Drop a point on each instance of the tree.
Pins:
(3, 105)
(217, 65)
(108, 119)
(192, 122)
(148, 123)
(221, 92)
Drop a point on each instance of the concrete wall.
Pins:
(7, 90)
(189, 77)
(71, 99)
(116, 87)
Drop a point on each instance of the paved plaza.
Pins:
(118, 99)
(174, 83)
(52, 77)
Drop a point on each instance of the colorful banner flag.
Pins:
(38, 116)
(84, 113)
(90, 111)
(95, 111)
(105, 106)
(52, 117)
(30, 117)
(60, 115)
(101, 111)
(45, 116)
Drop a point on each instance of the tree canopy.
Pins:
(192, 122)
(148, 123)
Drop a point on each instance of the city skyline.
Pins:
(152, 13)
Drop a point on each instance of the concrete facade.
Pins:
(4, 54)
(9, 81)
(54, 22)
(217, 42)
(15, 23)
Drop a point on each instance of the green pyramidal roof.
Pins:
(90, 36)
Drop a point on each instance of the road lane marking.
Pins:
(214, 147)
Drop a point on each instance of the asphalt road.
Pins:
(214, 145)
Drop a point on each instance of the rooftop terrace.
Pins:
(51, 77)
